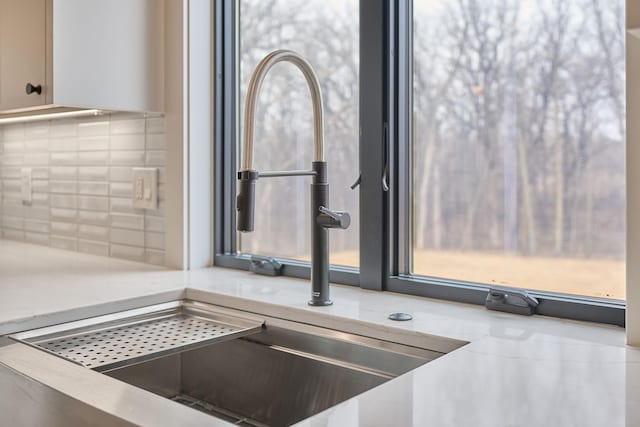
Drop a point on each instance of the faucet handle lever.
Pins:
(333, 219)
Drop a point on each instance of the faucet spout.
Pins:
(253, 91)
(322, 217)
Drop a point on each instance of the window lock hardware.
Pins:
(357, 183)
(385, 157)
(511, 300)
(265, 265)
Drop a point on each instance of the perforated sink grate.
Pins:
(103, 346)
(100, 348)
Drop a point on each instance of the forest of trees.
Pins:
(326, 33)
(518, 124)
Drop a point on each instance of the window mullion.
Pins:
(374, 118)
(402, 165)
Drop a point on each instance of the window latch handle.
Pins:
(385, 157)
(357, 183)
(385, 178)
(511, 300)
(266, 266)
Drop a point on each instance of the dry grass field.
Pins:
(597, 278)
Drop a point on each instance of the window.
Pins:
(519, 166)
(488, 135)
(328, 38)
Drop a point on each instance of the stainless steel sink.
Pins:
(274, 374)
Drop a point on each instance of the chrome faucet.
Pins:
(322, 217)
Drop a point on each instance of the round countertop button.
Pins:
(400, 316)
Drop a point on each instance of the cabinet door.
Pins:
(22, 52)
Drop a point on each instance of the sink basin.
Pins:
(251, 371)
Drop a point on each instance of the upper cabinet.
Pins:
(23, 53)
(81, 54)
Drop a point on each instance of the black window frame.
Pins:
(385, 155)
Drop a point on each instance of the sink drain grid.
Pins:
(114, 346)
(211, 409)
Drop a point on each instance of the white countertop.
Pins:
(515, 371)
(39, 285)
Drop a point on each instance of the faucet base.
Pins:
(320, 303)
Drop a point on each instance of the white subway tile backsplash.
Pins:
(127, 237)
(39, 185)
(93, 158)
(127, 142)
(123, 205)
(10, 234)
(64, 201)
(154, 223)
(93, 203)
(12, 222)
(134, 222)
(67, 187)
(81, 185)
(120, 189)
(40, 200)
(15, 208)
(12, 196)
(127, 158)
(156, 212)
(36, 145)
(154, 257)
(35, 159)
(36, 238)
(93, 232)
(154, 240)
(11, 185)
(155, 125)
(154, 158)
(93, 143)
(12, 159)
(93, 173)
(119, 127)
(155, 142)
(93, 248)
(13, 133)
(10, 172)
(64, 158)
(36, 226)
(63, 173)
(62, 128)
(40, 173)
(67, 215)
(63, 144)
(93, 217)
(36, 130)
(70, 244)
(64, 228)
(118, 174)
(13, 147)
(131, 253)
(93, 188)
(37, 212)
(93, 128)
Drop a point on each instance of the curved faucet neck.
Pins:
(252, 97)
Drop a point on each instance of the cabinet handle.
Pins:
(31, 88)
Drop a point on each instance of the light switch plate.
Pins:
(145, 188)
(25, 185)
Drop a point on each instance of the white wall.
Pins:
(633, 173)
(189, 124)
